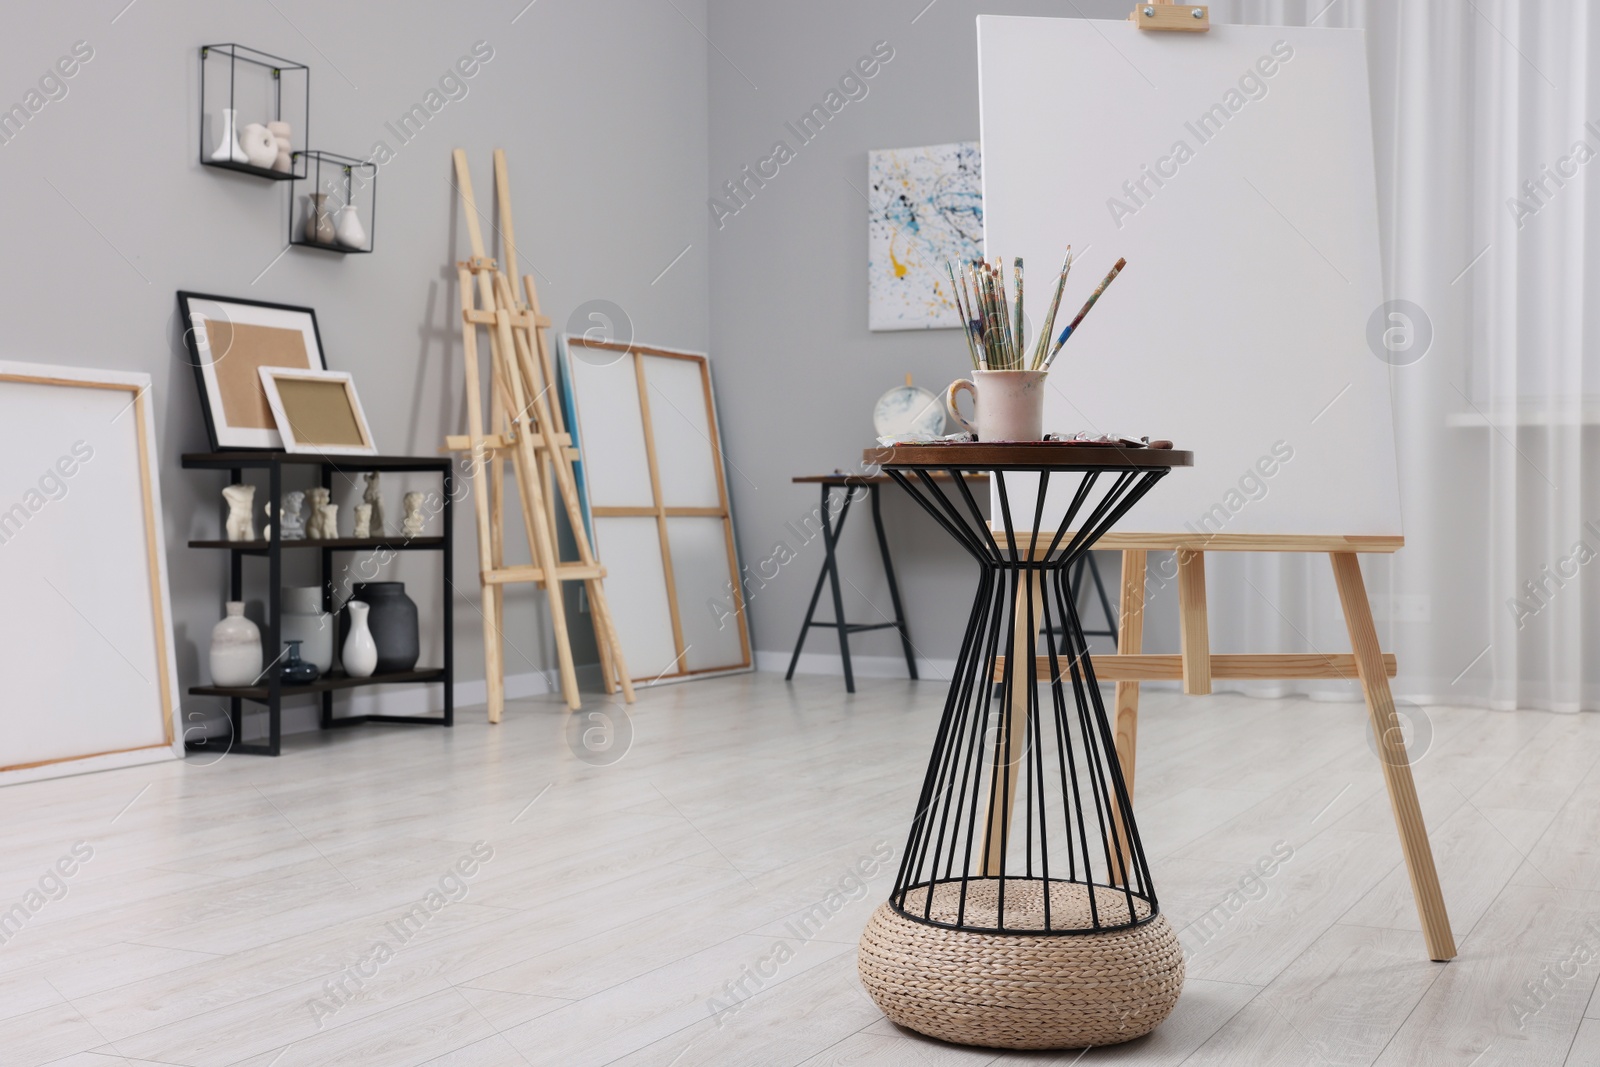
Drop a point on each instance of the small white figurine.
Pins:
(373, 497)
(363, 520)
(241, 524)
(314, 526)
(329, 529)
(294, 524)
(411, 525)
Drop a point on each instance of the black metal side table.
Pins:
(271, 691)
(1023, 914)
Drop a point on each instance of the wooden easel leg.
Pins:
(1194, 634)
(1392, 752)
(1130, 641)
(608, 677)
(605, 633)
(493, 660)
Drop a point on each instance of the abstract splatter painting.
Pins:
(926, 210)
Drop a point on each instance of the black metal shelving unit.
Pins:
(272, 692)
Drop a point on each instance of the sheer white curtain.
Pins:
(1486, 164)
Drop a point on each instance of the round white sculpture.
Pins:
(260, 147)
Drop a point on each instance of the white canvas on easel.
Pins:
(1233, 169)
(1245, 203)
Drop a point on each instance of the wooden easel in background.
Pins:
(527, 431)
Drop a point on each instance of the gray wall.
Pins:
(601, 107)
(797, 370)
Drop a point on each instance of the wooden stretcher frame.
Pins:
(659, 510)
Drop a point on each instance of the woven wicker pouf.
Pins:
(1006, 991)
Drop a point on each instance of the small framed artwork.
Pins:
(229, 340)
(317, 411)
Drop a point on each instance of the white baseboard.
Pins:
(861, 666)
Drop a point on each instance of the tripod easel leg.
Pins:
(1130, 641)
(1392, 753)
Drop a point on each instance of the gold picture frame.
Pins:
(317, 411)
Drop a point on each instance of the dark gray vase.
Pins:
(393, 622)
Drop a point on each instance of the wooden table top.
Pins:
(1025, 455)
(841, 478)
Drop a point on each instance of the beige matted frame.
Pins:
(293, 441)
(660, 511)
(137, 387)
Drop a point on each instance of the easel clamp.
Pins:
(1177, 18)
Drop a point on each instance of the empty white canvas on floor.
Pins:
(85, 642)
(1234, 171)
(658, 499)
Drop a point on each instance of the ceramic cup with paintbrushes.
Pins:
(1007, 395)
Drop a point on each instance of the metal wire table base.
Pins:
(1024, 824)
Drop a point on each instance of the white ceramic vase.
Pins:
(304, 620)
(319, 220)
(347, 227)
(360, 655)
(228, 150)
(236, 649)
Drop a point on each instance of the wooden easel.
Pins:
(528, 432)
(1195, 666)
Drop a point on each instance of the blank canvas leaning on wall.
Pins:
(1234, 170)
(658, 503)
(85, 642)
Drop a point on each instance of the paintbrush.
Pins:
(1002, 314)
(966, 328)
(1073, 325)
(1017, 336)
(1043, 343)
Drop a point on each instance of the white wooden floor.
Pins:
(254, 911)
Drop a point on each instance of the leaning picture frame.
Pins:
(317, 411)
(228, 339)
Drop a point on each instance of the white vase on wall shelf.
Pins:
(348, 229)
(228, 150)
(319, 222)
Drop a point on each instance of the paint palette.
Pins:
(907, 409)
